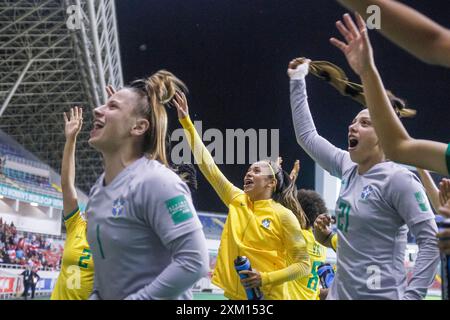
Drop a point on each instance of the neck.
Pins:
(365, 166)
(261, 196)
(116, 161)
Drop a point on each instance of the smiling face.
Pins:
(259, 181)
(116, 122)
(363, 143)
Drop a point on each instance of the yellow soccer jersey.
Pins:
(308, 288)
(264, 231)
(76, 278)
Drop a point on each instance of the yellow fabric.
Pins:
(76, 278)
(264, 231)
(334, 241)
(308, 288)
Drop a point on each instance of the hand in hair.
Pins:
(298, 68)
(295, 170)
(279, 161)
(181, 104)
(444, 197)
(110, 90)
(358, 49)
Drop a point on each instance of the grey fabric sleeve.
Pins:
(190, 263)
(330, 158)
(427, 260)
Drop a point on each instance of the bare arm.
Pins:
(73, 124)
(395, 140)
(430, 188)
(409, 29)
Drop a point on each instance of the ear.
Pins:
(140, 127)
(272, 184)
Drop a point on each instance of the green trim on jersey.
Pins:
(70, 215)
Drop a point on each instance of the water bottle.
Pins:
(326, 274)
(442, 224)
(242, 263)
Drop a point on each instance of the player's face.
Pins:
(114, 121)
(363, 143)
(259, 180)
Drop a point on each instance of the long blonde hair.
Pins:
(159, 89)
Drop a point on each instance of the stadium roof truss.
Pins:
(55, 54)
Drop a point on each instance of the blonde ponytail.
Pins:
(159, 89)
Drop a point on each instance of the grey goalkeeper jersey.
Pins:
(373, 213)
(146, 239)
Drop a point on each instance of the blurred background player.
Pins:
(143, 230)
(76, 278)
(377, 203)
(261, 223)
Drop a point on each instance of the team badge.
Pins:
(266, 223)
(367, 191)
(118, 208)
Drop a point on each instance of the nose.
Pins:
(98, 112)
(353, 127)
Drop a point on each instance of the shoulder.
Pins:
(154, 176)
(152, 171)
(399, 177)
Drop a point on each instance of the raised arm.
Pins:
(224, 188)
(409, 29)
(73, 123)
(332, 159)
(395, 140)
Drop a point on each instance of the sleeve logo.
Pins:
(179, 209)
(421, 200)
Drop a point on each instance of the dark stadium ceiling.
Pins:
(50, 60)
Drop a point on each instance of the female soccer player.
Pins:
(76, 277)
(144, 233)
(395, 140)
(378, 201)
(259, 224)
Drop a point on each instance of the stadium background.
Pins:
(233, 56)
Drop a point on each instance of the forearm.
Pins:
(409, 29)
(395, 140)
(189, 264)
(68, 176)
(430, 188)
(325, 240)
(298, 269)
(427, 260)
(224, 188)
(318, 148)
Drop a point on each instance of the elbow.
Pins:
(397, 149)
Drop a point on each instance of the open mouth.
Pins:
(97, 126)
(352, 143)
(248, 183)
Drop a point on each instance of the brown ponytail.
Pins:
(285, 193)
(159, 89)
